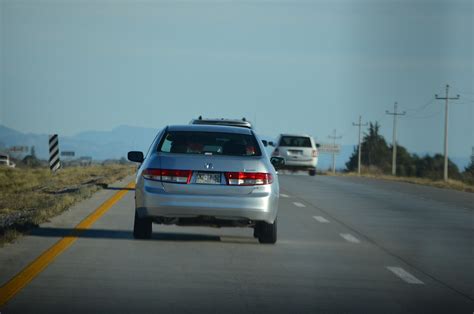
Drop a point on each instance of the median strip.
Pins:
(25, 276)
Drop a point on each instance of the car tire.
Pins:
(267, 233)
(142, 227)
(312, 172)
(256, 230)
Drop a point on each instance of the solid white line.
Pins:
(405, 276)
(284, 195)
(321, 219)
(349, 237)
(299, 204)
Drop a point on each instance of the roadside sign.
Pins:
(54, 162)
(18, 149)
(330, 148)
(68, 153)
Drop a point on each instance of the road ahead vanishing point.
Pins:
(345, 245)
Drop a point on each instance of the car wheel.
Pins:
(267, 233)
(256, 230)
(312, 172)
(142, 227)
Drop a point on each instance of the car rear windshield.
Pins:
(209, 143)
(295, 141)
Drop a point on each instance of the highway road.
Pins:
(346, 245)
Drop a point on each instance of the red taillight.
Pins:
(248, 178)
(167, 175)
(275, 152)
(315, 153)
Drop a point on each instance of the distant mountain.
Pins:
(10, 137)
(110, 144)
(101, 145)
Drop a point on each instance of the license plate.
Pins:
(295, 152)
(208, 178)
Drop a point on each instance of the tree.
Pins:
(405, 162)
(468, 174)
(432, 167)
(374, 152)
(31, 159)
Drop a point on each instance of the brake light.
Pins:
(248, 178)
(276, 152)
(167, 175)
(315, 153)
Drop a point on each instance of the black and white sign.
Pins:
(54, 162)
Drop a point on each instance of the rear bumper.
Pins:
(302, 164)
(156, 202)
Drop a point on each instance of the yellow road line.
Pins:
(25, 276)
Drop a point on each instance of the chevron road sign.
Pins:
(54, 162)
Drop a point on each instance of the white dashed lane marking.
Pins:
(284, 195)
(297, 204)
(349, 237)
(321, 219)
(405, 276)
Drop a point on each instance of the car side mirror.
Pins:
(318, 145)
(135, 156)
(271, 143)
(277, 162)
(265, 143)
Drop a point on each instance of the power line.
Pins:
(395, 114)
(417, 117)
(334, 138)
(447, 99)
(380, 118)
(359, 158)
(422, 107)
(464, 92)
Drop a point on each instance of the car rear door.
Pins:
(296, 148)
(207, 158)
(205, 169)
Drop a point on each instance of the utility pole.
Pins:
(334, 138)
(359, 125)
(446, 98)
(394, 137)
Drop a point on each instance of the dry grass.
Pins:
(29, 197)
(451, 184)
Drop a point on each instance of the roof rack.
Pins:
(222, 121)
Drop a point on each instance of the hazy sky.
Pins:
(294, 66)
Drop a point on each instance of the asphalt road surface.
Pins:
(346, 245)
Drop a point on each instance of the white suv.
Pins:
(299, 151)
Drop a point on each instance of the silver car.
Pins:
(207, 175)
